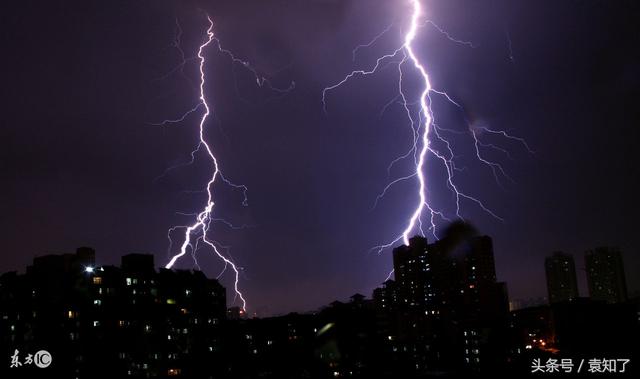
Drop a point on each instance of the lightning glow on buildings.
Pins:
(427, 134)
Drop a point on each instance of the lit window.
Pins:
(72, 314)
(96, 323)
(97, 302)
(128, 281)
(171, 301)
(97, 280)
(173, 372)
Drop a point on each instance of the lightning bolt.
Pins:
(428, 137)
(196, 234)
(203, 219)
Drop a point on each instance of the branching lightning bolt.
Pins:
(203, 220)
(427, 134)
(197, 233)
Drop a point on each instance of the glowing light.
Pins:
(203, 218)
(196, 233)
(88, 269)
(427, 134)
(325, 329)
(408, 40)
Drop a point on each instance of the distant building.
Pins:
(386, 296)
(562, 284)
(605, 275)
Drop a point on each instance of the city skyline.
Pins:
(147, 260)
(445, 312)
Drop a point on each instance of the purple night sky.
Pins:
(81, 161)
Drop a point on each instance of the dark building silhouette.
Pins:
(515, 304)
(580, 328)
(273, 347)
(445, 307)
(443, 315)
(562, 284)
(386, 296)
(235, 313)
(532, 328)
(138, 263)
(116, 322)
(340, 340)
(605, 275)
